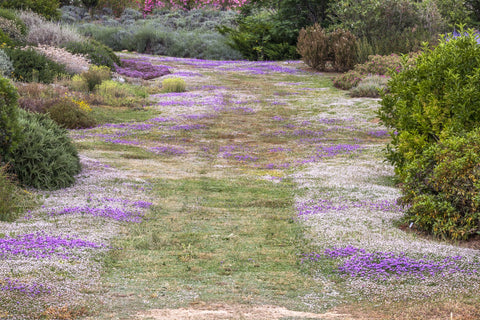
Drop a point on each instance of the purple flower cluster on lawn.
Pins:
(40, 245)
(32, 289)
(383, 265)
(168, 150)
(141, 69)
(119, 214)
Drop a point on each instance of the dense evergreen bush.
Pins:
(262, 37)
(12, 26)
(9, 127)
(46, 8)
(389, 26)
(442, 187)
(98, 53)
(67, 113)
(437, 97)
(28, 66)
(45, 157)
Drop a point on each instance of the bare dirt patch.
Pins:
(227, 311)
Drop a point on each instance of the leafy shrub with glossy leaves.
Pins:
(434, 99)
(45, 157)
(442, 188)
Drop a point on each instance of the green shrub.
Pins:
(442, 188)
(348, 80)
(98, 53)
(336, 50)
(13, 26)
(262, 37)
(389, 26)
(437, 97)
(45, 158)
(371, 86)
(6, 65)
(69, 115)
(46, 8)
(9, 126)
(30, 66)
(173, 85)
(117, 94)
(94, 76)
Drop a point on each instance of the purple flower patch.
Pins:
(40, 245)
(383, 265)
(15, 286)
(106, 212)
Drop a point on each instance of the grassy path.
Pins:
(259, 164)
(219, 203)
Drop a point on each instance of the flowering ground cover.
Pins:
(260, 185)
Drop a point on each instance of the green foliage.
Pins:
(98, 53)
(433, 99)
(262, 37)
(9, 126)
(442, 188)
(46, 8)
(45, 157)
(389, 25)
(12, 198)
(173, 85)
(336, 50)
(12, 26)
(30, 66)
(67, 114)
(94, 76)
(457, 12)
(6, 66)
(121, 94)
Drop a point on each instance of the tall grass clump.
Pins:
(117, 94)
(45, 157)
(431, 108)
(12, 199)
(44, 32)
